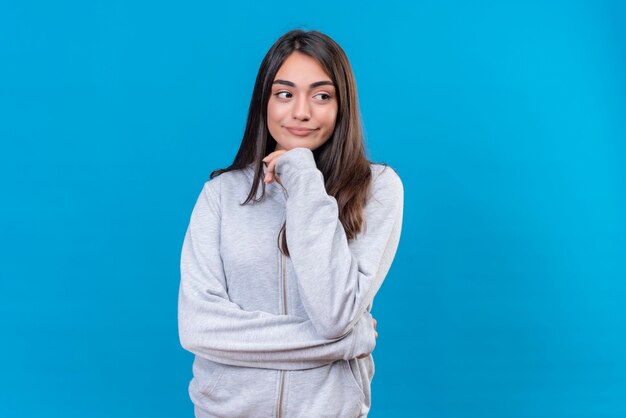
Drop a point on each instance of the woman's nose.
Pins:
(301, 109)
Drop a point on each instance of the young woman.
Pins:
(276, 288)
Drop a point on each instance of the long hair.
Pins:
(341, 159)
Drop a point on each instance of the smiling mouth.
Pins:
(300, 131)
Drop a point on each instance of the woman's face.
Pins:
(302, 109)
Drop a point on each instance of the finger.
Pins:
(272, 155)
(269, 156)
(375, 334)
(271, 166)
(269, 173)
(270, 161)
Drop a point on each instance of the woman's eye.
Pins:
(323, 96)
(287, 95)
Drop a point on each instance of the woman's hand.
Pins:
(270, 160)
(375, 336)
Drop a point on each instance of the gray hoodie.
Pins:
(278, 336)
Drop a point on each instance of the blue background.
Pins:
(506, 123)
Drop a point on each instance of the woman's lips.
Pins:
(299, 131)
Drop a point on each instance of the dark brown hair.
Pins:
(341, 159)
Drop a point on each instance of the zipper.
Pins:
(282, 372)
(284, 286)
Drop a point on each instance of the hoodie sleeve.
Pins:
(212, 326)
(337, 281)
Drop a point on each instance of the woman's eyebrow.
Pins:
(317, 83)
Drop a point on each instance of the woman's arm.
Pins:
(212, 326)
(337, 282)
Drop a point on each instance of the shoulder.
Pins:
(386, 180)
(386, 194)
(229, 187)
(230, 180)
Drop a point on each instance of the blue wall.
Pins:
(507, 124)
